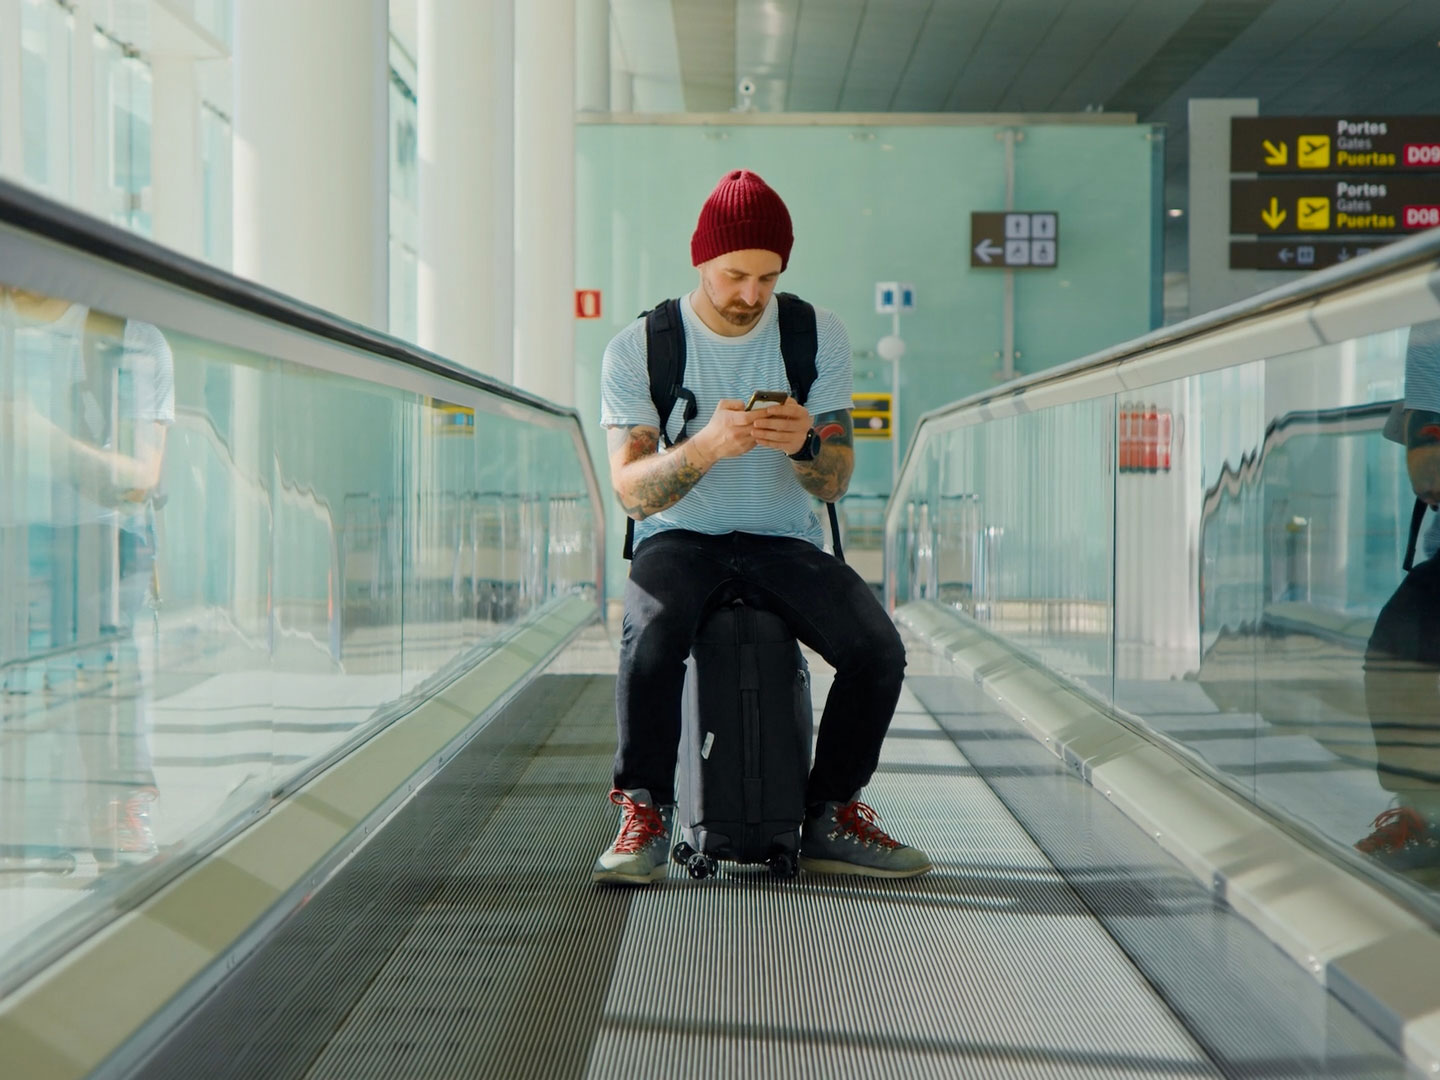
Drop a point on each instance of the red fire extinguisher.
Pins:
(1132, 439)
(1125, 444)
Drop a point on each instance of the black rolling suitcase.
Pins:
(745, 744)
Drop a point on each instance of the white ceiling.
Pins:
(1147, 57)
(1030, 55)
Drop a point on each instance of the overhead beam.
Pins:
(705, 35)
(1205, 35)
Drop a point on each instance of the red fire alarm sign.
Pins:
(587, 303)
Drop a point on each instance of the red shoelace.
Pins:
(133, 824)
(1393, 830)
(861, 820)
(638, 827)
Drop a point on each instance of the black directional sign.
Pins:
(1017, 239)
(1392, 204)
(1330, 144)
(1298, 254)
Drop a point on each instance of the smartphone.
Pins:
(763, 399)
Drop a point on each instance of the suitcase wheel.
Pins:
(680, 853)
(701, 866)
(783, 865)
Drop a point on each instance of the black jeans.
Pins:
(1402, 684)
(678, 577)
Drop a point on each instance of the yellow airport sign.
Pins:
(450, 419)
(1312, 214)
(1273, 215)
(871, 415)
(1314, 152)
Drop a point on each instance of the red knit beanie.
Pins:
(743, 212)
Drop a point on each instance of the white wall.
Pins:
(188, 68)
(311, 152)
(467, 181)
(545, 198)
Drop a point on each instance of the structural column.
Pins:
(466, 92)
(312, 153)
(175, 148)
(592, 55)
(12, 136)
(85, 168)
(544, 360)
(1212, 283)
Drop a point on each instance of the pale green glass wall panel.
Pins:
(871, 204)
(1105, 186)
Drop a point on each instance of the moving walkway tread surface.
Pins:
(1254, 1010)
(513, 964)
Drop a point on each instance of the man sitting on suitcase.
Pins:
(727, 512)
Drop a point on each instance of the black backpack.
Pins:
(665, 357)
(1417, 519)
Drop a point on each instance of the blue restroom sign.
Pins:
(893, 296)
(1016, 239)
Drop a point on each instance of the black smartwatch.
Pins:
(811, 448)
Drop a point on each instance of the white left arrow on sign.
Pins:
(987, 251)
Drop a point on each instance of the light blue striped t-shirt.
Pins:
(758, 491)
(1422, 391)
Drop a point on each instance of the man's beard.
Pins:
(740, 315)
(736, 314)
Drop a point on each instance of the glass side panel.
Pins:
(216, 16)
(1011, 521)
(46, 33)
(1237, 539)
(216, 186)
(220, 568)
(123, 100)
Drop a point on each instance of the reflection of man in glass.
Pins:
(1402, 662)
(86, 400)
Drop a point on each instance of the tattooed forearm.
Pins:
(828, 476)
(646, 481)
(663, 487)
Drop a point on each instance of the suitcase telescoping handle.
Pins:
(749, 711)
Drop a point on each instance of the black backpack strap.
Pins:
(665, 358)
(799, 345)
(835, 532)
(1417, 518)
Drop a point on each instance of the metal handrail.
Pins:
(1342, 420)
(1412, 251)
(30, 212)
(37, 214)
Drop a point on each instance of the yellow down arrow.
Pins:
(1274, 217)
(1277, 155)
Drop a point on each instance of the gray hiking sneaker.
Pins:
(843, 838)
(642, 846)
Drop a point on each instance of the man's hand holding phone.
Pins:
(727, 434)
(783, 426)
(763, 399)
